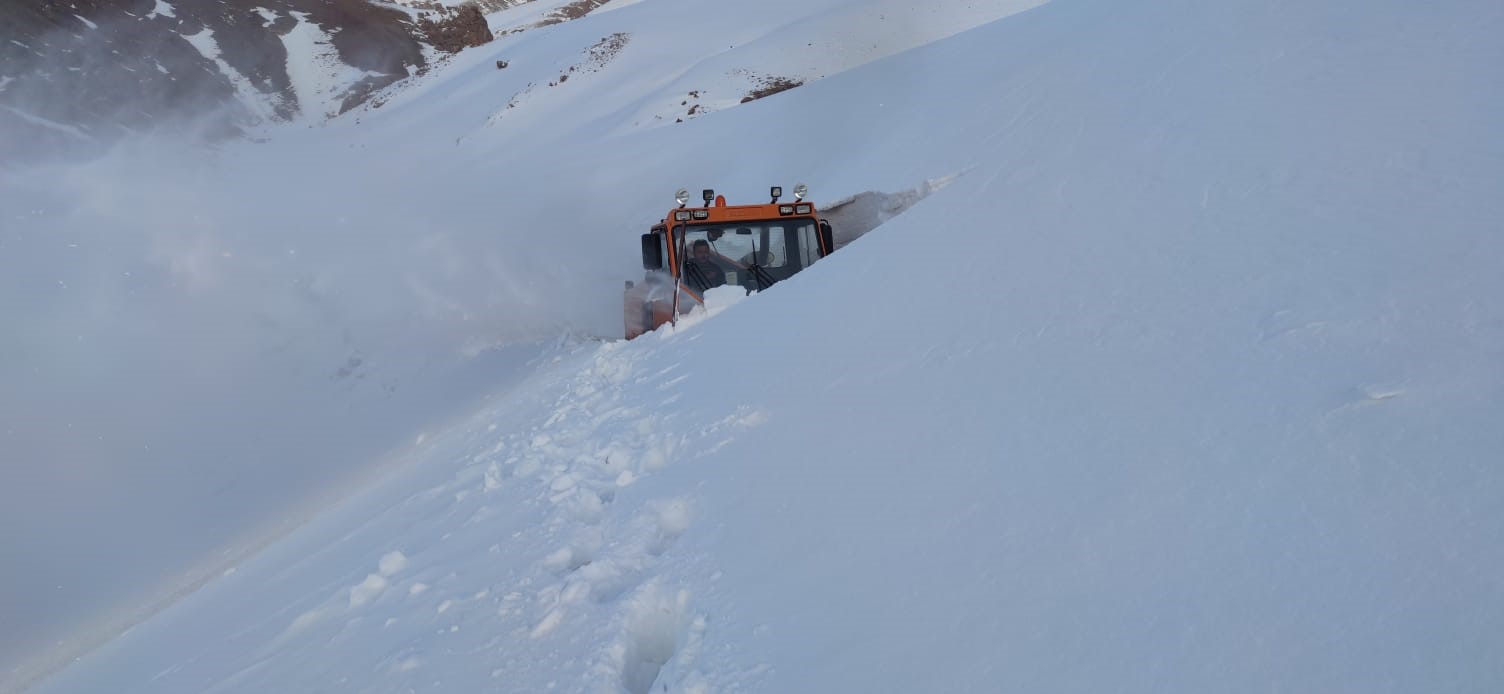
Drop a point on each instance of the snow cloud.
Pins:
(168, 303)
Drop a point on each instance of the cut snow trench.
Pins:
(658, 629)
(853, 216)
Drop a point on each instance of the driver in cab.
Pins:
(700, 271)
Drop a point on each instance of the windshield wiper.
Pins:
(760, 275)
(696, 276)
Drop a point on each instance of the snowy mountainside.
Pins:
(560, 74)
(78, 75)
(1189, 380)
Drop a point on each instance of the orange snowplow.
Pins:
(695, 250)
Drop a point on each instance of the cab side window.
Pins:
(809, 245)
(777, 254)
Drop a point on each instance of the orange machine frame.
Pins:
(645, 312)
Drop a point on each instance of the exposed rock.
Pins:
(79, 73)
(768, 86)
(457, 29)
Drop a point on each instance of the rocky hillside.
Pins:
(80, 72)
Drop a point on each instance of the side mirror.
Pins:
(652, 252)
(827, 239)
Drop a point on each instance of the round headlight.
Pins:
(681, 196)
(800, 191)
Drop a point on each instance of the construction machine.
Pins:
(694, 250)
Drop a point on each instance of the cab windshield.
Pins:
(752, 255)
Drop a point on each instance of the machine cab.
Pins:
(694, 250)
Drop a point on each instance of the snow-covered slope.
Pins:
(1190, 380)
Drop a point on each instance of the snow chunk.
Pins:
(563, 483)
(408, 665)
(304, 620)
(392, 563)
(674, 518)
(367, 590)
(559, 559)
(548, 624)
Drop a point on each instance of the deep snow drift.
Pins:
(1189, 381)
(203, 348)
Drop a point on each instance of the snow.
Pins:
(247, 94)
(392, 563)
(162, 9)
(1173, 365)
(86, 22)
(38, 120)
(412, 12)
(526, 15)
(319, 78)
